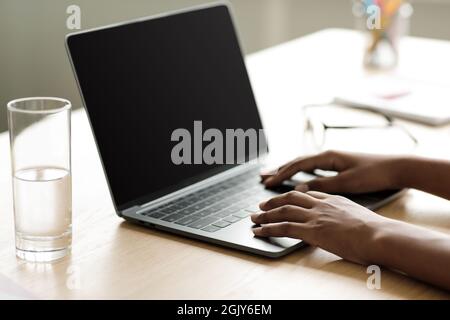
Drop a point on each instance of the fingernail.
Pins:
(257, 231)
(254, 216)
(268, 180)
(302, 188)
(262, 204)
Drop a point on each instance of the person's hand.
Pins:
(333, 223)
(357, 173)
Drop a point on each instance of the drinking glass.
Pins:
(39, 130)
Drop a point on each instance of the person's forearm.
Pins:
(418, 252)
(432, 176)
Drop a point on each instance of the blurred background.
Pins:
(33, 61)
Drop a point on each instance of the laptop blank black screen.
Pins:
(142, 80)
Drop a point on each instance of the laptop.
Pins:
(144, 80)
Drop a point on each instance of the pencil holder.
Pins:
(384, 23)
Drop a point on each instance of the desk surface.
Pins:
(115, 259)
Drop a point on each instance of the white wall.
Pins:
(33, 60)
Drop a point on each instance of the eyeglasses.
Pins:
(333, 126)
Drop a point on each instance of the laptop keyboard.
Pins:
(216, 207)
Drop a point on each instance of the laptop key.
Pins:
(231, 219)
(173, 217)
(221, 224)
(222, 205)
(253, 209)
(186, 211)
(182, 204)
(237, 207)
(221, 214)
(190, 202)
(211, 228)
(187, 220)
(229, 210)
(168, 210)
(206, 212)
(208, 202)
(215, 199)
(241, 214)
(197, 206)
(247, 202)
(156, 214)
(203, 222)
(177, 206)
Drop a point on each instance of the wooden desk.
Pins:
(114, 259)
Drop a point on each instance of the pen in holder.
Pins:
(383, 22)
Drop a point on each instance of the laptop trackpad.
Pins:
(281, 242)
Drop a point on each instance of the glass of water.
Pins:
(39, 131)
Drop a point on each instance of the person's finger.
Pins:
(283, 229)
(318, 195)
(290, 198)
(267, 174)
(346, 182)
(288, 213)
(302, 187)
(326, 161)
(274, 172)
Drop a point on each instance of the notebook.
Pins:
(412, 100)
